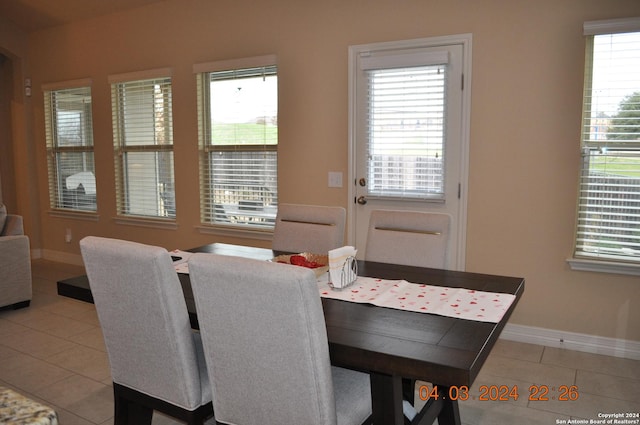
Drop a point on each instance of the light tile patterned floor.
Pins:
(53, 352)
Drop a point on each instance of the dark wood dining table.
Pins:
(391, 345)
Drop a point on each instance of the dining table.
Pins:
(394, 346)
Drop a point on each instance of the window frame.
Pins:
(208, 224)
(56, 195)
(604, 263)
(117, 83)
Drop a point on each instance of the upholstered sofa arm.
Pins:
(13, 226)
(15, 263)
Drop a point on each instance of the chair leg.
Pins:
(408, 389)
(22, 304)
(408, 394)
(127, 412)
(197, 419)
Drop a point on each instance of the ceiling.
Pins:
(32, 15)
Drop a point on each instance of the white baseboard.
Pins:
(36, 254)
(572, 341)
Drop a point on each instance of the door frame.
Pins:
(462, 39)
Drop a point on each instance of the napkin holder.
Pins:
(347, 274)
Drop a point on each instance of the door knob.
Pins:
(361, 200)
(362, 182)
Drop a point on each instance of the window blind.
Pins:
(69, 138)
(608, 224)
(143, 144)
(406, 109)
(238, 111)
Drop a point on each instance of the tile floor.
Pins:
(53, 352)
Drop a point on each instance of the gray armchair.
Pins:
(15, 262)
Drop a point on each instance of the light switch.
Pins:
(335, 179)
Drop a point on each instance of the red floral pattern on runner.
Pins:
(461, 303)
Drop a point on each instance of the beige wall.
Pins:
(528, 61)
(17, 146)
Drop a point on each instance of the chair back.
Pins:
(144, 320)
(308, 228)
(263, 325)
(411, 238)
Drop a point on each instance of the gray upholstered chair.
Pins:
(263, 329)
(156, 359)
(15, 262)
(410, 238)
(308, 228)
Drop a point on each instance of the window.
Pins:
(238, 130)
(608, 223)
(143, 144)
(69, 136)
(406, 109)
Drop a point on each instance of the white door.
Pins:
(409, 133)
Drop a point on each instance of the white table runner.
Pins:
(402, 295)
(461, 303)
(181, 265)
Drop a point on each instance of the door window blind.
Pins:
(608, 224)
(406, 110)
(143, 143)
(69, 137)
(238, 111)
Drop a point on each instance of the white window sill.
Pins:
(157, 223)
(77, 215)
(236, 232)
(588, 265)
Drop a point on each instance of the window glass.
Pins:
(239, 140)
(69, 135)
(143, 140)
(608, 225)
(406, 131)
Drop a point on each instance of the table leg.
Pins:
(386, 399)
(441, 408)
(450, 413)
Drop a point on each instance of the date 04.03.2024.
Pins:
(501, 393)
